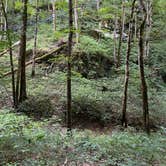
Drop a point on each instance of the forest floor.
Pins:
(97, 136)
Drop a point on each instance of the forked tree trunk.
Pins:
(70, 40)
(121, 34)
(125, 94)
(141, 66)
(10, 53)
(35, 40)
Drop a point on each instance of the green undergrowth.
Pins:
(25, 142)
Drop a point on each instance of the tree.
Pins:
(115, 41)
(76, 19)
(10, 52)
(98, 8)
(54, 14)
(1, 22)
(121, 34)
(70, 40)
(141, 67)
(35, 40)
(124, 101)
(148, 26)
(21, 94)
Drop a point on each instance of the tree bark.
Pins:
(76, 20)
(125, 95)
(21, 94)
(115, 41)
(98, 8)
(35, 40)
(121, 34)
(141, 66)
(54, 15)
(70, 40)
(1, 22)
(148, 26)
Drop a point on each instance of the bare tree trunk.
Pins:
(141, 66)
(1, 22)
(35, 40)
(6, 6)
(121, 34)
(54, 14)
(115, 40)
(70, 40)
(135, 27)
(125, 95)
(98, 8)
(21, 75)
(76, 20)
(10, 52)
(148, 26)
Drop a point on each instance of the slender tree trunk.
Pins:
(6, 6)
(35, 40)
(1, 22)
(76, 20)
(115, 41)
(21, 76)
(141, 66)
(125, 95)
(54, 14)
(70, 40)
(10, 53)
(121, 34)
(148, 26)
(135, 27)
(98, 8)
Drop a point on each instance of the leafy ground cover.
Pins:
(44, 143)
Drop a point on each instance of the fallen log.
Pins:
(37, 59)
(5, 51)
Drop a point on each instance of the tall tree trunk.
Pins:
(135, 27)
(70, 40)
(6, 6)
(76, 20)
(21, 75)
(121, 34)
(1, 22)
(125, 95)
(141, 66)
(148, 26)
(54, 15)
(98, 8)
(10, 53)
(115, 41)
(35, 40)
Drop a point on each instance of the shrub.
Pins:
(37, 107)
(93, 110)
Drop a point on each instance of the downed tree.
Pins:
(5, 51)
(56, 50)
